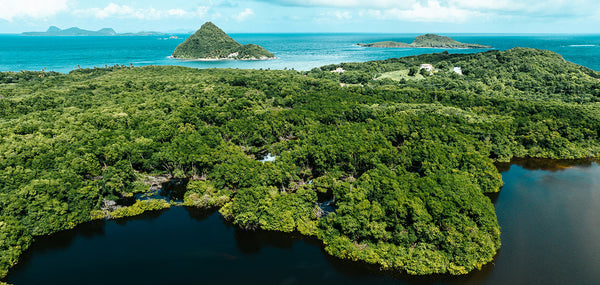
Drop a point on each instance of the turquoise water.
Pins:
(298, 51)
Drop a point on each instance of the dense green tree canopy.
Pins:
(406, 162)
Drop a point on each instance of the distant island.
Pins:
(77, 32)
(211, 43)
(426, 41)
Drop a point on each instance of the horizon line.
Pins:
(316, 33)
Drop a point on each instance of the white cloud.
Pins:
(342, 15)
(333, 17)
(527, 7)
(11, 9)
(344, 3)
(113, 10)
(486, 4)
(201, 11)
(242, 16)
(432, 11)
(177, 12)
(424, 10)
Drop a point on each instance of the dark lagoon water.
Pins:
(548, 211)
(298, 51)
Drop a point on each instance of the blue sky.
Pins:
(313, 16)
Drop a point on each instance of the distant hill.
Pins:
(74, 31)
(387, 44)
(426, 41)
(210, 42)
(77, 32)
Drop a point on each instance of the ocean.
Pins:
(293, 51)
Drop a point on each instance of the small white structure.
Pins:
(339, 70)
(268, 158)
(458, 70)
(427, 67)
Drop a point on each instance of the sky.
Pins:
(306, 16)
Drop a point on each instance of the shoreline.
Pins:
(353, 245)
(221, 59)
(546, 164)
(446, 48)
(155, 212)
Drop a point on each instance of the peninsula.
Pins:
(54, 31)
(211, 43)
(409, 164)
(426, 41)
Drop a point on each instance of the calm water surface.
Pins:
(298, 51)
(548, 214)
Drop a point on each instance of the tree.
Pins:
(412, 71)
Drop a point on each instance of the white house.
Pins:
(427, 67)
(458, 70)
(339, 70)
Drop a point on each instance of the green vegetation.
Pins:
(426, 41)
(436, 41)
(203, 194)
(139, 207)
(387, 44)
(252, 51)
(210, 42)
(13, 240)
(402, 75)
(408, 163)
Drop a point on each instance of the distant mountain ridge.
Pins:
(426, 41)
(212, 43)
(77, 32)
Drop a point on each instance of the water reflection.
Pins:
(493, 196)
(199, 214)
(550, 234)
(174, 189)
(549, 218)
(148, 216)
(58, 241)
(64, 239)
(545, 164)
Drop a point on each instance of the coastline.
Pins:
(546, 164)
(540, 164)
(359, 246)
(446, 48)
(221, 59)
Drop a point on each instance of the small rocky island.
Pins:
(426, 41)
(211, 43)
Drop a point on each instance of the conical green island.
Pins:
(426, 41)
(210, 42)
